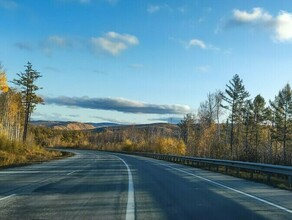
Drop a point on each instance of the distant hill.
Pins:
(161, 128)
(103, 124)
(164, 129)
(71, 125)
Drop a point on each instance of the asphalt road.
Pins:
(98, 185)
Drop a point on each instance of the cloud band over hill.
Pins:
(118, 104)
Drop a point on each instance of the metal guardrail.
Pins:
(267, 169)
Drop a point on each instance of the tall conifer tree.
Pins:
(30, 99)
(282, 107)
(235, 96)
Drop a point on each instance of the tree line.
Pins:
(131, 138)
(17, 104)
(252, 129)
(228, 125)
(17, 144)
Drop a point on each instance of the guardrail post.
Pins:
(217, 168)
(237, 171)
(226, 169)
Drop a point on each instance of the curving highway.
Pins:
(99, 185)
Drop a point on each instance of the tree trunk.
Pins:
(25, 126)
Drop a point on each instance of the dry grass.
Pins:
(14, 153)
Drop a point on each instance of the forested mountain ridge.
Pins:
(60, 125)
(100, 127)
(71, 125)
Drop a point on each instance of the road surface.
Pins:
(99, 185)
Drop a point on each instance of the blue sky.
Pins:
(144, 61)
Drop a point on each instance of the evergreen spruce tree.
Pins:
(282, 108)
(247, 122)
(235, 96)
(28, 88)
(259, 114)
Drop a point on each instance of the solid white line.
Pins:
(18, 172)
(29, 172)
(232, 189)
(7, 197)
(130, 214)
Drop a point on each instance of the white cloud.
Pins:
(153, 8)
(112, 47)
(111, 120)
(53, 43)
(203, 69)
(182, 9)
(280, 25)
(130, 39)
(50, 117)
(201, 44)
(171, 120)
(283, 26)
(197, 43)
(257, 15)
(118, 104)
(111, 42)
(57, 40)
(114, 43)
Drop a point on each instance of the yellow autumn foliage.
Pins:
(169, 145)
(3, 82)
(128, 145)
(13, 152)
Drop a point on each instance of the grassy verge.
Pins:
(13, 153)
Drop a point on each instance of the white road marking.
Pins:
(7, 197)
(71, 172)
(18, 172)
(31, 171)
(230, 188)
(130, 214)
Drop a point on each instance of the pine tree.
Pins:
(247, 122)
(282, 107)
(259, 114)
(28, 89)
(235, 96)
